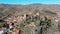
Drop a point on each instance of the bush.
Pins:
(1, 25)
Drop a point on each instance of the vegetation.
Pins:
(40, 23)
(1, 25)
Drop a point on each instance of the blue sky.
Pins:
(30, 1)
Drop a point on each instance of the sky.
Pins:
(24, 2)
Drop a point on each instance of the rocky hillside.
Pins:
(32, 18)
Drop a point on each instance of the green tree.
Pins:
(45, 24)
(1, 25)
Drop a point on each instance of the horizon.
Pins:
(26, 2)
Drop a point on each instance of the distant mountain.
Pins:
(6, 9)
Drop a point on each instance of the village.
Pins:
(16, 24)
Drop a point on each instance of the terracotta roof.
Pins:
(17, 31)
(1, 29)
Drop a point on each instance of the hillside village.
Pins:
(29, 23)
(30, 19)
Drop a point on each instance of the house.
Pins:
(3, 21)
(1, 31)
